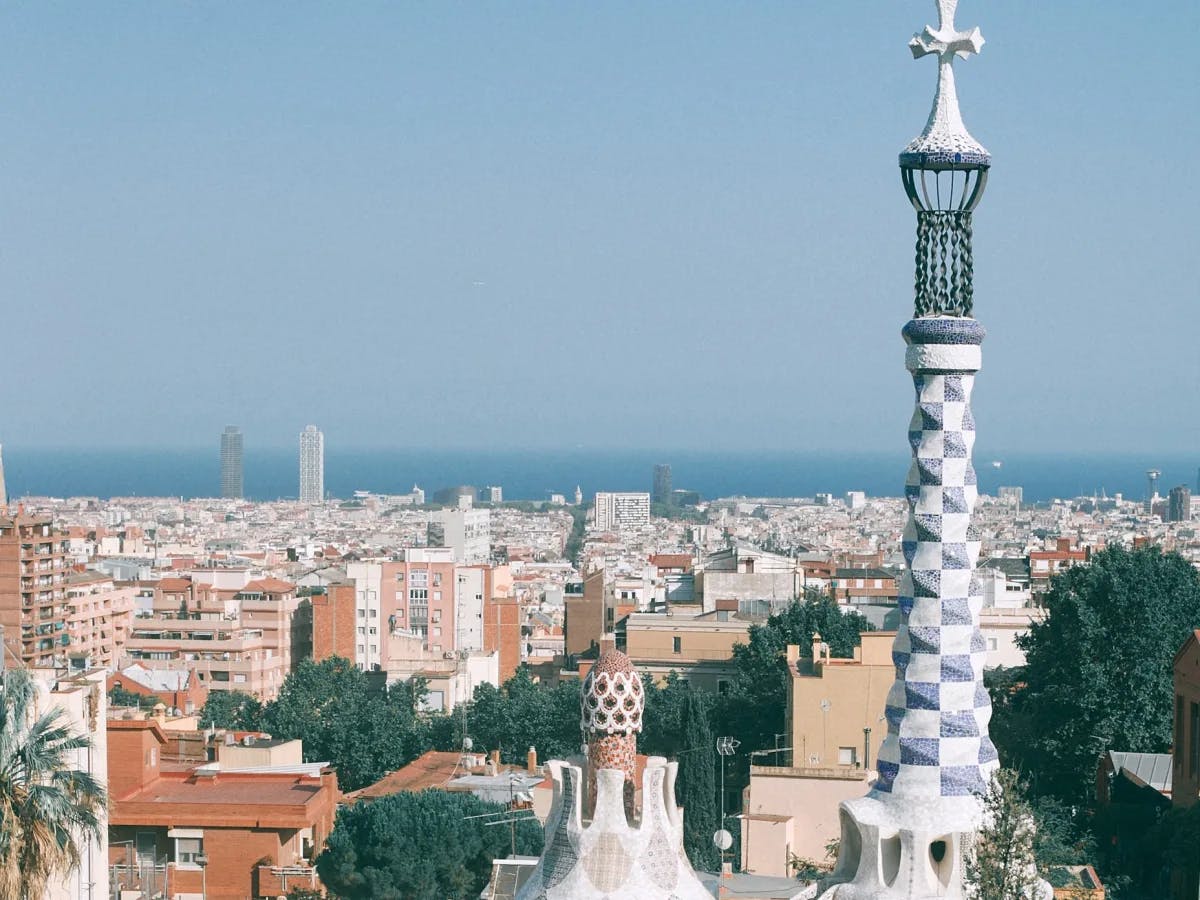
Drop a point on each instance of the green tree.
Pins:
(48, 808)
(662, 720)
(521, 714)
(124, 697)
(696, 788)
(232, 709)
(363, 734)
(421, 846)
(1000, 864)
(1098, 669)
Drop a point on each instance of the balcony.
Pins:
(141, 879)
(277, 881)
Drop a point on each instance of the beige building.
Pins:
(835, 706)
(835, 726)
(699, 649)
(792, 812)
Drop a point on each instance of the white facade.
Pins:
(470, 587)
(312, 465)
(617, 511)
(466, 531)
(368, 588)
(83, 700)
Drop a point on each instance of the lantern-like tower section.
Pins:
(906, 838)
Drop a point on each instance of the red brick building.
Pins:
(174, 689)
(333, 622)
(203, 834)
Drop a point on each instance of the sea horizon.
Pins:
(272, 473)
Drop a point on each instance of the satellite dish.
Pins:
(826, 706)
(722, 839)
(467, 744)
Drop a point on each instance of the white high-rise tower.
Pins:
(312, 465)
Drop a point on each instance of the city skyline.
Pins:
(567, 176)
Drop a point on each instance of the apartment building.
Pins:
(1045, 564)
(99, 616)
(208, 832)
(468, 532)
(234, 632)
(412, 593)
(698, 649)
(618, 511)
(33, 598)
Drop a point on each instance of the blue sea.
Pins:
(534, 474)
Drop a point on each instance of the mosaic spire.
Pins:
(907, 838)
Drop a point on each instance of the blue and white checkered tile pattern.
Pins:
(937, 712)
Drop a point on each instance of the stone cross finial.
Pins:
(947, 41)
(945, 139)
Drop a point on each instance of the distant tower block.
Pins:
(611, 717)
(232, 484)
(3, 500)
(312, 465)
(1151, 490)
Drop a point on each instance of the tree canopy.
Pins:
(695, 787)
(232, 709)
(521, 714)
(1098, 673)
(421, 846)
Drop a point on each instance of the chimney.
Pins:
(531, 761)
(608, 642)
(494, 759)
(816, 647)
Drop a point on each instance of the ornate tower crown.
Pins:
(944, 171)
(945, 143)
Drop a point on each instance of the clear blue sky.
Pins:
(671, 224)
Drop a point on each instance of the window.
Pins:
(1179, 729)
(239, 678)
(437, 615)
(399, 614)
(677, 644)
(722, 685)
(1194, 742)
(374, 613)
(437, 595)
(362, 613)
(399, 577)
(418, 594)
(362, 629)
(437, 578)
(847, 756)
(992, 643)
(437, 632)
(373, 629)
(187, 850)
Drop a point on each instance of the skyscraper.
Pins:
(312, 465)
(231, 463)
(1179, 504)
(662, 484)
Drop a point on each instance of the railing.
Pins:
(275, 881)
